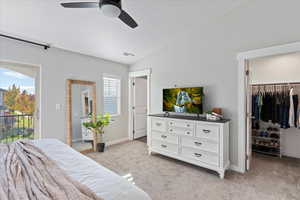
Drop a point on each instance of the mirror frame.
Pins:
(70, 82)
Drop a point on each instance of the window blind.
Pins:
(111, 95)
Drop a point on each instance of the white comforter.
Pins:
(103, 182)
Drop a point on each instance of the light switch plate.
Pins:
(58, 106)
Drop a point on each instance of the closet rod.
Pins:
(46, 46)
(262, 84)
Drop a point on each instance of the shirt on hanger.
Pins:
(291, 112)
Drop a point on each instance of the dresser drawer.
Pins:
(206, 131)
(181, 124)
(164, 146)
(201, 144)
(203, 156)
(181, 131)
(165, 137)
(158, 125)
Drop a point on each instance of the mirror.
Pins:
(81, 103)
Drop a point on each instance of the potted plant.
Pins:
(97, 128)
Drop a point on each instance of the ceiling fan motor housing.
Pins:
(111, 2)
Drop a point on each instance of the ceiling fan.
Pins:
(110, 8)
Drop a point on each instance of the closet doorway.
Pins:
(244, 104)
(273, 131)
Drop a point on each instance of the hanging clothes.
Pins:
(291, 111)
(295, 103)
(298, 118)
(285, 106)
(279, 107)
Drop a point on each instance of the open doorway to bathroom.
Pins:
(19, 102)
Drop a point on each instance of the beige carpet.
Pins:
(167, 179)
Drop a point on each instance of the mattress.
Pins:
(102, 181)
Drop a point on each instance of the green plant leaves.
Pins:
(99, 124)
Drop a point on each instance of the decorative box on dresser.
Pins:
(191, 139)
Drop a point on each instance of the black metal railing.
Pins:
(15, 127)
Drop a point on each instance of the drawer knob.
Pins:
(171, 123)
(198, 143)
(158, 124)
(188, 125)
(164, 146)
(198, 155)
(171, 130)
(188, 133)
(164, 136)
(206, 130)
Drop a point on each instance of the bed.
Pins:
(103, 182)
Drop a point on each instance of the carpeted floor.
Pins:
(167, 179)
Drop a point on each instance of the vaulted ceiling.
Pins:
(88, 31)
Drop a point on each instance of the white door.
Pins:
(248, 116)
(140, 107)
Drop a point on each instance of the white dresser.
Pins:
(199, 142)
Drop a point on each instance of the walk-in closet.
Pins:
(274, 102)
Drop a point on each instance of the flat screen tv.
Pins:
(183, 100)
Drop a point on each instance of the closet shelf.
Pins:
(267, 153)
(265, 138)
(267, 146)
(269, 131)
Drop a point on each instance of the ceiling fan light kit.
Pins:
(110, 8)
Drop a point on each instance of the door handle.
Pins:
(206, 130)
(198, 143)
(198, 155)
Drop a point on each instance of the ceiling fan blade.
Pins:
(125, 17)
(80, 5)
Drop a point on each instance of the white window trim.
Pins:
(120, 93)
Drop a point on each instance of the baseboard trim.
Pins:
(77, 140)
(113, 142)
(236, 168)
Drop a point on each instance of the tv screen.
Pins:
(183, 100)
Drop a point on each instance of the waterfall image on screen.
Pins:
(183, 100)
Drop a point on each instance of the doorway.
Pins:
(246, 90)
(19, 102)
(139, 104)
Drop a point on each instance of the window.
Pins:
(111, 95)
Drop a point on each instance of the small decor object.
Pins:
(213, 116)
(217, 110)
(97, 128)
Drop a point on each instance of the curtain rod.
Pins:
(262, 84)
(46, 46)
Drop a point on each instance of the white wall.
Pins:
(206, 56)
(56, 67)
(280, 69)
(275, 69)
